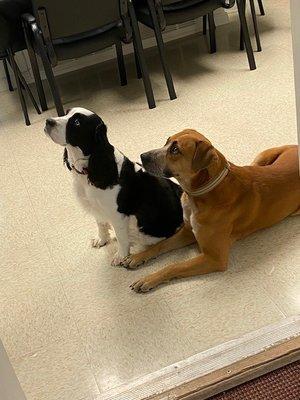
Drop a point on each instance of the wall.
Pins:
(295, 20)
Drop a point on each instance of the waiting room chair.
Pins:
(61, 30)
(157, 14)
(11, 41)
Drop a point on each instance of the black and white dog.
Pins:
(141, 208)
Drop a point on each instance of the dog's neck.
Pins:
(77, 161)
(207, 179)
(211, 183)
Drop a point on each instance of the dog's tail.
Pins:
(269, 156)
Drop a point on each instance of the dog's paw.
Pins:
(143, 285)
(117, 260)
(97, 243)
(132, 261)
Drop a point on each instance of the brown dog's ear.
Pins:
(203, 156)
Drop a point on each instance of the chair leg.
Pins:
(242, 45)
(35, 69)
(253, 12)
(245, 31)
(27, 89)
(261, 7)
(48, 71)
(212, 33)
(121, 64)
(140, 55)
(9, 84)
(137, 64)
(161, 50)
(18, 83)
(204, 24)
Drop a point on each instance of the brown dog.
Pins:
(222, 202)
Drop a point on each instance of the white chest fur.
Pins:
(190, 213)
(101, 203)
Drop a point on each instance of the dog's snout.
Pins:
(50, 122)
(145, 157)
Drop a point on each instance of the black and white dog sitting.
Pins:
(141, 208)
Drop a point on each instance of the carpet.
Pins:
(281, 384)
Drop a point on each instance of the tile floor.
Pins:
(69, 322)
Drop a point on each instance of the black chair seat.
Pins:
(176, 14)
(81, 47)
(11, 33)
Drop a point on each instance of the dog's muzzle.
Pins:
(50, 123)
(154, 162)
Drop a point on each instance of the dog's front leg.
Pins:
(120, 224)
(183, 237)
(103, 235)
(214, 258)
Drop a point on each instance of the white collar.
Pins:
(210, 185)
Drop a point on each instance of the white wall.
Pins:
(295, 20)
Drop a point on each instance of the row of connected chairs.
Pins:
(57, 31)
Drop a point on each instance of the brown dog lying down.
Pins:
(222, 202)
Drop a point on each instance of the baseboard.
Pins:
(207, 372)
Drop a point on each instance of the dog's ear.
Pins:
(203, 156)
(101, 133)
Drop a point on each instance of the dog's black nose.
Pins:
(145, 157)
(50, 122)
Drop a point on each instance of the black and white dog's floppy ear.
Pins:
(101, 133)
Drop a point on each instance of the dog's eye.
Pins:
(174, 150)
(76, 122)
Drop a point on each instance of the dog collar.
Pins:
(212, 184)
(83, 172)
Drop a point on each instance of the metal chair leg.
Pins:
(140, 55)
(35, 69)
(242, 45)
(137, 64)
(9, 84)
(204, 24)
(121, 64)
(212, 33)
(161, 50)
(261, 7)
(27, 89)
(48, 70)
(18, 83)
(245, 31)
(253, 12)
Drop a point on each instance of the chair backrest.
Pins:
(66, 18)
